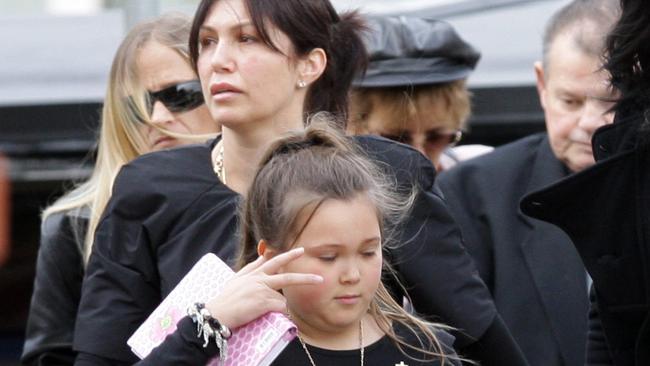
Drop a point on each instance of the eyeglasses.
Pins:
(181, 97)
(432, 138)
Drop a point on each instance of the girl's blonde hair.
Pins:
(305, 168)
(120, 140)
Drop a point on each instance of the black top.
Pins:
(382, 352)
(185, 348)
(168, 209)
(57, 290)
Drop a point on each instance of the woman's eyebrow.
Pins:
(236, 26)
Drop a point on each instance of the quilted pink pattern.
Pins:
(256, 343)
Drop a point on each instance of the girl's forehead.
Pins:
(340, 223)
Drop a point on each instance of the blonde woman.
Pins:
(153, 102)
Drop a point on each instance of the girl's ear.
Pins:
(264, 250)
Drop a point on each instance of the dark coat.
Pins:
(605, 210)
(57, 290)
(533, 271)
(168, 209)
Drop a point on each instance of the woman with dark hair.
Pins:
(265, 67)
(613, 201)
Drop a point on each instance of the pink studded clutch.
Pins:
(256, 343)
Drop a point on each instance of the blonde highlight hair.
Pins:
(120, 140)
(414, 103)
(299, 172)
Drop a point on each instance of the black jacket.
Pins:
(57, 290)
(168, 209)
(536, 277)
(605, 210)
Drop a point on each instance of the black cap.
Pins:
(415, 51)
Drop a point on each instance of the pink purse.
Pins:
(256, 343)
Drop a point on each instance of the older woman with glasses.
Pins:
(414, 90)
(153, 102)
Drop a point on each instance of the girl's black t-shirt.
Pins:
(381, 353)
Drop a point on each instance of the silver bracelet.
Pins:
(208, 327)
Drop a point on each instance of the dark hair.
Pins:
(298, 173)
(601, 14)
(628, 55)
(309, 24)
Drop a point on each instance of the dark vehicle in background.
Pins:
(53, 73)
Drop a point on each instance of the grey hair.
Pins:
(587, 21)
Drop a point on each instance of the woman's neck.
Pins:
(244, 147)
(340, 338)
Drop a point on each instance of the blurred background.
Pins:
(54, 61)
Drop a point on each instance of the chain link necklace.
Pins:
(304, 346)
(217, 162)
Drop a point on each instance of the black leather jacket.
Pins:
(57, 290)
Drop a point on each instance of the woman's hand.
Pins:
(253, 291)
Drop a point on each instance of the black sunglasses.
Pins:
(180, 97)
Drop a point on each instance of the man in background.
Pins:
(536, 277)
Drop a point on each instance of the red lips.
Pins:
(223, 88)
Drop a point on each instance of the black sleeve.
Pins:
(182, 347)
(597, 349)
(432, 263)
(439, 275)
(121, 287)
(57, 287)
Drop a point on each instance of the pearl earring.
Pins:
(302, 84)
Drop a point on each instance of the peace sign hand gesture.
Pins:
(253, 291)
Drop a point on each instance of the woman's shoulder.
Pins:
(179, 160)
(403, 160)
(175, 174)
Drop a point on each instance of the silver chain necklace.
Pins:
(304, 346)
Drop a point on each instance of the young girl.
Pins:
(314, 190)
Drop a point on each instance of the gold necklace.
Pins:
(304, 346)
(217, 162)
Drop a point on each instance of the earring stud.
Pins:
(302, 84)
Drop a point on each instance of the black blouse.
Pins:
(168, 209)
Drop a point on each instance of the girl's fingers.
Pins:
(283, 280)
(250, 267)
(277, 305)
(273, 265)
